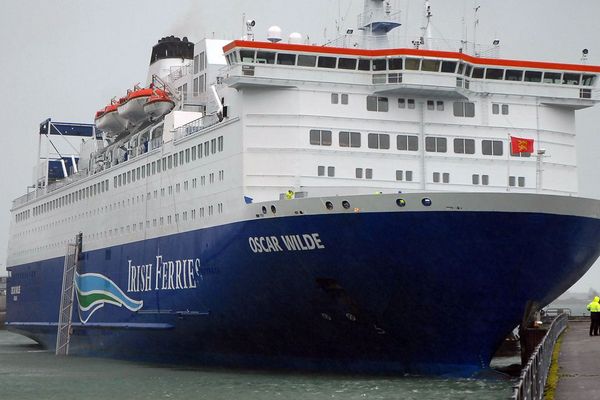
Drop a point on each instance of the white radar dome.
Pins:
(274, 34)
(295, 38)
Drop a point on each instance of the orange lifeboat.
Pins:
(132, 108)
(158, 104)
(109, 121)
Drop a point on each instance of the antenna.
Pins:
(584, 55)
(475, 23)
(249, 25)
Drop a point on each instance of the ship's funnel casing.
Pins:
(168, 54)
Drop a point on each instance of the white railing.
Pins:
(197, 125)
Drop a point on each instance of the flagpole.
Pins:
(508, 164)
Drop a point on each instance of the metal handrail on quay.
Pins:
(533, 377)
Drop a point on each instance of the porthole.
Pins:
(345, 204)
(329, 205)
(273, 209)
(264, 209)
(426, 201)
(401, 202)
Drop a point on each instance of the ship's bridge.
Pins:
(409, 71)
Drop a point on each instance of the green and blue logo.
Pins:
(95, 290)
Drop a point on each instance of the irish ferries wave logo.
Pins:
(95, 290)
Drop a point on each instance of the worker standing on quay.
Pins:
(594, 309)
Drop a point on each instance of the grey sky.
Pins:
(66, 59)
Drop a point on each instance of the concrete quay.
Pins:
(579, 364)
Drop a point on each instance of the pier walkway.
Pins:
(579, 364)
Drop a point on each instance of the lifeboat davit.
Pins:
(132, 108)
(109, 121)
(158, 104)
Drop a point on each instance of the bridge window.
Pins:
(571, 79)
(492, 147)
(412, 64)
(307, 61)
(450, 67)
(320, 137)
(347, 63)
(552, 77)
(588, 80)
(494, 73)
(326, 62)
(265, 57)
(513, 75)
(430, 65)
(379, 141)
(395, 63)
(247, 56)
(364, 65)
(286, 59)
(478, 73)
(533, 76)
(379, 64)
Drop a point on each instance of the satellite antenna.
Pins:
(584, 55)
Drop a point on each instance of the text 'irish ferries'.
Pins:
(164, 275)
(269, 244)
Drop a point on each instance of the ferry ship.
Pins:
(358, 206)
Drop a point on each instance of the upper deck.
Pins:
(408, 71)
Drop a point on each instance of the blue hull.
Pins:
(418, 292)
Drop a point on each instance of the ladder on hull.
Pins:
(65, 312)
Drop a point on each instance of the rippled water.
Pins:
(27, 372)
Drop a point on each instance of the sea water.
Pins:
(29, 372)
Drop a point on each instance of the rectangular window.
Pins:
(379, 64)
(206, 149)
(395, 63)
(326, 62)
(347, 63)
(344, 98)
(430, 65)
(265, 57)
(407, 142)
(533, 76)
(213, 146)
(409, 176)
(440, 105)
(464, 146)
(495, 109)
(513, 75)
(571, 79)
(494, 73)
(521, 181)
(475, 179)
(375, 103)
(430, 105)
(330, 171)
(435, 144)
(349, 139)
(446, 177)
(478, 73)
(464, 109)
(199, 147)
(320, 137)
(379, 141)
(450, 67)
(364, 65)
(359, 173)
(411, 104)
(368, 173)
(307, 61)
(220, 143)
(401, 103)
(286, 59)
(412, 64)
(320, 170)
(335, 98)
(175, 160)
(492, 147)
(436, 177)
(399, 175)
(485, 180)
(504, 109)
(552, 77)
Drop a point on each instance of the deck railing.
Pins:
(533, 377)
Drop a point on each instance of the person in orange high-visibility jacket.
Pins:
(594, 309)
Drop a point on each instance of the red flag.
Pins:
(521, 145)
